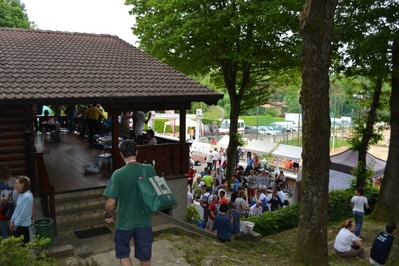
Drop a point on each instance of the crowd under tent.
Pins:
(288, 152)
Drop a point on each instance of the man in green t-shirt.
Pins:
(131, 222)
(208, 178)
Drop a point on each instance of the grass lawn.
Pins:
(272, 250)
(213, 113)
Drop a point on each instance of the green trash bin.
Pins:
(44, 228)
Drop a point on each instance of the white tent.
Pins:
(261, 147)
(189, 123)
(224, 142)
(287, 151)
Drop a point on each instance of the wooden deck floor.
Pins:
(64, 163)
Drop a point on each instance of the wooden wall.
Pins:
(13, 123)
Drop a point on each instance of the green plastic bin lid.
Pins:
(43, 222)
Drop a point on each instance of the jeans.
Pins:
(359, 218)
(4, 229)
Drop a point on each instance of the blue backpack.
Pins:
(205, 201)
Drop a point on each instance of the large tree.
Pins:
(317, 30)
(242, 43)
(13, 15)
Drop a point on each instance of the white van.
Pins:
(225, 126)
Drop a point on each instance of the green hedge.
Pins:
(339, 208)
(339, 204)
(271, 223)
(262, 120)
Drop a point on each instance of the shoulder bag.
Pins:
(7, 208)
(154, 192)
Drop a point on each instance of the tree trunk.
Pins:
(361, 178)
(230, 79)
(316, 26)
(387, 206)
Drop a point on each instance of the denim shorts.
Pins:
(142, 240)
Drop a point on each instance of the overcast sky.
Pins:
(89, 16)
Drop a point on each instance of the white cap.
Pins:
(202, 183)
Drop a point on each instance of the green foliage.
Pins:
(362, 172)
(339, 203)
(262, 120)
(192, 215)
(358, 130)
(13, 15)
(270, 223)
(14, 253)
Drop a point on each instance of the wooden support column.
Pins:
(182, 132)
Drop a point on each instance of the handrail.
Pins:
(170, 160)
(46, 190)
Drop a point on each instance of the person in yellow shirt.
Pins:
(93, 114)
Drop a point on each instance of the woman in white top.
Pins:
(358, 203)
(346, 244)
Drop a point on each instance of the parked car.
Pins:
(250, 130)
(274, 130)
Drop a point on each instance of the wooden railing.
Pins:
(170, 160)
(45, 189)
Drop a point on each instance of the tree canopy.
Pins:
(13, 15)
(242, 43)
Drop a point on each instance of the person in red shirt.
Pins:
(213, 210)
(190, 178)
(222, 196)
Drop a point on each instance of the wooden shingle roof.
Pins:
(48, 67)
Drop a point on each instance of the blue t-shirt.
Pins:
(236, 185)
(223, 225)
(381, 246)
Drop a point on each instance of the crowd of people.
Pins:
(253, 191)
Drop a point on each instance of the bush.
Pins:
(271, 223)
(192, 215)
(14, 253)
(339, 204)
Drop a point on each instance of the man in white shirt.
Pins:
(280, 194)
(256, 209)
(215, 157)
(139, 122)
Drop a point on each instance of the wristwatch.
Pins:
(106, 216)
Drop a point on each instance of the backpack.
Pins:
(216, 210)
(205, 201)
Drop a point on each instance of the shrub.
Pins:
(192, 215)
(14, 253)
(270, 223)
(339, 204)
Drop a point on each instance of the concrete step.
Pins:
(163, 253)
(78, 195)
(79, 210)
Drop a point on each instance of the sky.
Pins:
(89, 16)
